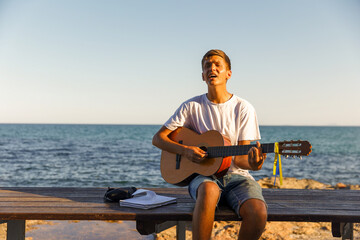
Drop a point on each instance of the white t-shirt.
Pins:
(235, 119)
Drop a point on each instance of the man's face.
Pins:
(215, 71)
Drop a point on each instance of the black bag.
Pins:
(117, 194)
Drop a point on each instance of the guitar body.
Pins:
(181, 172)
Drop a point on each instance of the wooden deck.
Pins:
(19, 204)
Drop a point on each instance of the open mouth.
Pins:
(212, 76)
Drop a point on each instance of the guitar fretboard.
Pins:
(225, 151)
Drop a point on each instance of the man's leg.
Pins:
(204, 212)
(254, 217)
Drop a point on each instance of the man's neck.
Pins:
(218, 95)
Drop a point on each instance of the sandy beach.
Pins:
(98, 230)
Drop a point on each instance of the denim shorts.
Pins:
(235, 189)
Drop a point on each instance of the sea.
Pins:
(69, 155)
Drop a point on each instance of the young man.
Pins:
(235, 118)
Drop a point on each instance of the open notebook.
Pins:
(146, 199)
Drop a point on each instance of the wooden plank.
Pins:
(50, 204)
(71, 192)
(270, 194)
(91, 214)
(87, 203)
(176, 208)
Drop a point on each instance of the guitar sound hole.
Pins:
(203, 148)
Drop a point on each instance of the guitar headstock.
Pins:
(295, 148)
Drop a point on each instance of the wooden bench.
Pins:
(340, 207)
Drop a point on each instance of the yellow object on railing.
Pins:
(277, 171)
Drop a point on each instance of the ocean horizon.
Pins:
(102, 155)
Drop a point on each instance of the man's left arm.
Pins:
(253, 160)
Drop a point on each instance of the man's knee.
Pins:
(254, 210)
(208, 189)
(254, 217)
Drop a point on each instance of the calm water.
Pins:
(122, 155)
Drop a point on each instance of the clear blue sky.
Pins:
(135, 62)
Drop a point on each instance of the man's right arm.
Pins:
(161, 140)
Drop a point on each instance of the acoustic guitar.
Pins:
(178, 170)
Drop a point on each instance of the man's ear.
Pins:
(202, 76)
(229, 74)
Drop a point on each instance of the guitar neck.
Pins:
(225, 151)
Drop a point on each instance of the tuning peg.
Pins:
(294, 156)
(287, 156)
(300, 157)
